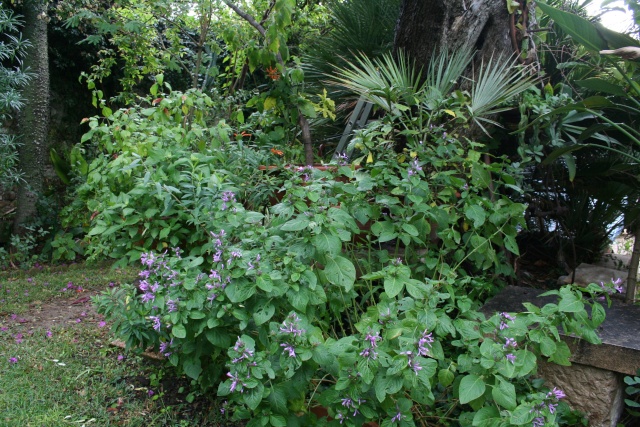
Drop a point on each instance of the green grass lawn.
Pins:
(67, 373)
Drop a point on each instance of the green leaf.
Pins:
(481, 176)
(253, 397)
(476, 214)
(327, 243)
(278, 421)
(471, 387)
(410, 230)
(489, 416)
(179, 331)
(600, 85)
(340, 271)
(393, 285)
(562, 354)
(522, 415)
(445, 377)
(240, 290)
(547, 346)
(597, 314)
(299, 223)
(263, 313)
(504, 393)
(570, 303)
(192, 368)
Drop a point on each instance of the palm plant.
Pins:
(396, 86)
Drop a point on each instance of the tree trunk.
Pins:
(33, 121)
(427, 27)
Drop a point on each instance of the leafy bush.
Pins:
(285, 310)
(157, 171)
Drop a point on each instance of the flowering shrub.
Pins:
(285, 310)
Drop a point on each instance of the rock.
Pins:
(590, 273)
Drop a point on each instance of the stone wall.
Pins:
(594, 391)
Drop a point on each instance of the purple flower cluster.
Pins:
(164, 346)
(370, 352)
(291, 327)
(227, 197)
(424, 343)
(156, 275)
(615, 286)
(504, 318)
(414, 168)
(245, 353)
(550, 403)
(156, 322)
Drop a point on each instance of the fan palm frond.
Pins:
(384, 81)
(498, 82)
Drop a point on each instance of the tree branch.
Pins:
(250, 19)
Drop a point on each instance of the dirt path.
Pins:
(60, 312)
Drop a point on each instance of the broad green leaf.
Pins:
(299, 223)
(504, 393)
(445, 377)
(240, 290)
(476, 214)
(263, 313)
(603, 86)
(547, 346)
(594, 37)
(471, 387)
(327, 242)
(340, 271)
(192, 368)
(179, 331)
(393, 285)
(570, 303)
(489, 416)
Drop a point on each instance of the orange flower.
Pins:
(273, 73)
(277, 152)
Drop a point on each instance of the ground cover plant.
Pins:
(57, 366)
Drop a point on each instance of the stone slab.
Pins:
(620, 332)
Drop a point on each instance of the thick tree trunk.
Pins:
(33, 121)
(426, 27)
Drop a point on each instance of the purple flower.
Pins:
(538, 422)
(373, 339)
(150, 393)
(510, 343)
(235, 382)
(156, 322)
(397, 417)
(425, 341)
(511, 358)
(49, 334)
(13, 360)
(504, 317)
(172, 305)
(78, 320)
(102, 324)
(288, 348)
(293, 326)
(147, 297)
(552, 407)
(369, 353)
(18, 338)
(556, 393)
(120, 358)
(414, 168)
